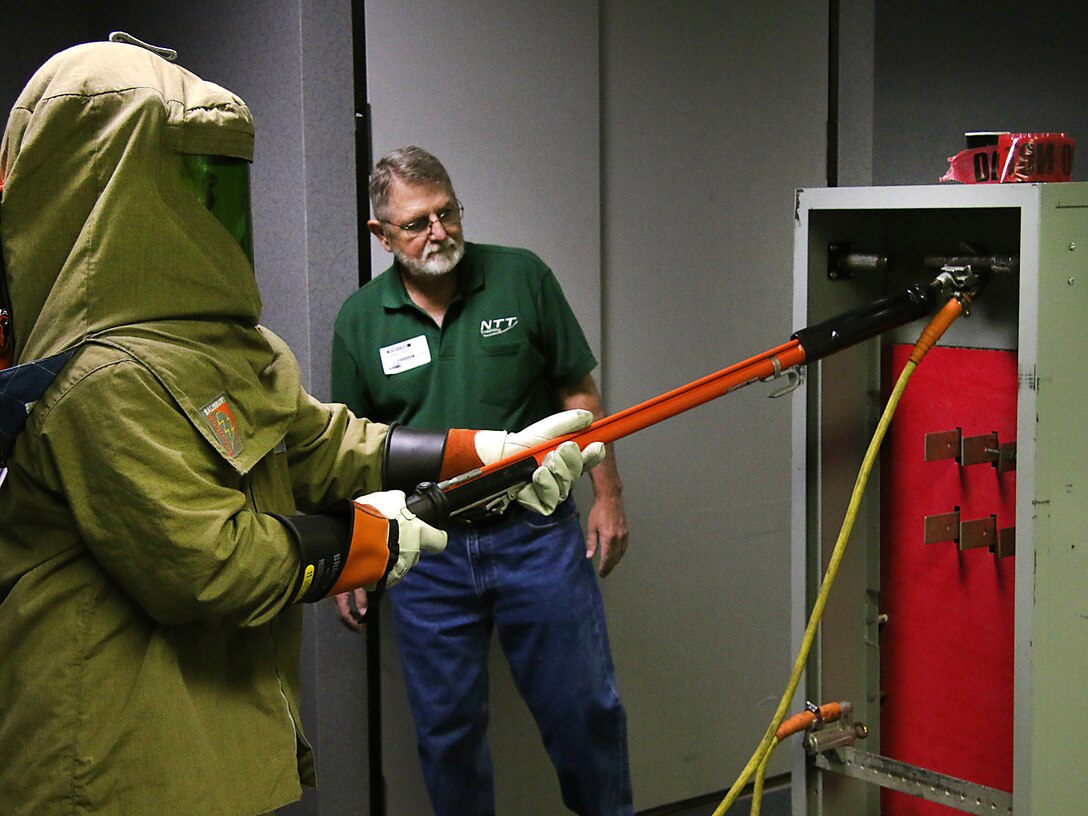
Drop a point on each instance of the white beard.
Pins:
(437, 260)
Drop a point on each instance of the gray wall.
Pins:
(945, 68)
(712, 114)
(855, 129)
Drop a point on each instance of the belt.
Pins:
(479, 517)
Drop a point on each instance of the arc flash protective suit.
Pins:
(153, 527)
(149, 637)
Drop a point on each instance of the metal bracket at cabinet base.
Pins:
(910, 779)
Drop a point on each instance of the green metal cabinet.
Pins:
(1040, 311)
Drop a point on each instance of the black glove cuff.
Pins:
(323, 540)
(412, 456)
(394, 554)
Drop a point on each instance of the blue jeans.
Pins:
(527, 577)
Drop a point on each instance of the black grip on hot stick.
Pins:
(436, 505)
(428, 504)
(865, 321)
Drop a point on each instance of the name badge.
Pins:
(405, 355)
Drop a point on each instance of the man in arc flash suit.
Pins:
(175, 493)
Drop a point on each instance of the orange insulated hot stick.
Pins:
(435, 503)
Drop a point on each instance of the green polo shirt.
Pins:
(508, 341)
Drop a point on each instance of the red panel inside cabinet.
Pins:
(946, 659)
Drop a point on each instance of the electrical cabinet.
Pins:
(958, 625)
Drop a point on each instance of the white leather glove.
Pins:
(413, 536)
(561, 468)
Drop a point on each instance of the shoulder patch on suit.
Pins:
(221, 420)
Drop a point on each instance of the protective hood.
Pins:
(105, 244)
(98, 228)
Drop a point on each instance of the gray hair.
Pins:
(411, 165)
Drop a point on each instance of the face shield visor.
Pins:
(221, 183)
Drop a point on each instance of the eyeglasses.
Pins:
(448, 216)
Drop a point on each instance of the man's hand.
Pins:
(607, 533)
(352, 616)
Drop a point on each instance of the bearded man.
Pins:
(457, 332)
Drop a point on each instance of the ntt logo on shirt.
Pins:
(498, 325)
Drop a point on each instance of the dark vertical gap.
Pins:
(363, 161)
(833, 93)
(363, 143)
(376, 774)
(602, 217)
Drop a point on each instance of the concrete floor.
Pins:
(776, 802)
